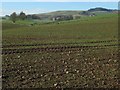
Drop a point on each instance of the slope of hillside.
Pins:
(91, 28)
(90, 12)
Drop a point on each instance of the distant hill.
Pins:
(90, 12)
(70, 14)
(51, 15)
(100, 9)
(62, 12)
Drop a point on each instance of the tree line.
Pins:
(14, 16)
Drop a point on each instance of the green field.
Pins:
(88, 29)
(60, 54)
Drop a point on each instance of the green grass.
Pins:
(89, 29)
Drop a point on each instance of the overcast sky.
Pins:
(43, 7)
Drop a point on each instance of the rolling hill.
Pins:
(89, 12)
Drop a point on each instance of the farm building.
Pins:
(76, 16)
(62, 17)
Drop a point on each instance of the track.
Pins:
(19, 45)
(52, 49)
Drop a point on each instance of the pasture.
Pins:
(76, 53)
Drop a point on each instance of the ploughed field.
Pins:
(78, 53)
